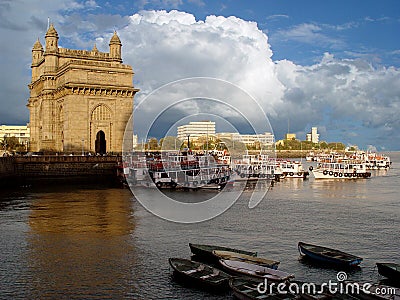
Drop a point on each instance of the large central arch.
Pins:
(101, 143)
(101, 128)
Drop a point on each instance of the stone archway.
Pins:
(100, 129)
(100, 143)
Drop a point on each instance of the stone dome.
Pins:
(51, 31)
(37, 45)
(115, 39)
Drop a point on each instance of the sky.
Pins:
(329, 64)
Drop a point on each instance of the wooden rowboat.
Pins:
(206, 251)
(328, 255)
(199, 274)
(273, 264)
(256, 271)
(389, 270)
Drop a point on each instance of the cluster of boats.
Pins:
(218, 269)
(216, 169)
(211, 170)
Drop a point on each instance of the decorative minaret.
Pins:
(51, 49)
(115, 48)
(37, 56)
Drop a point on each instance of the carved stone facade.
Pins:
(79, 100)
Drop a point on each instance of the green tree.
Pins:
(153, 144)
(10, 143)
(170, 143)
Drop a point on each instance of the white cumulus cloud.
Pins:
(166, 46)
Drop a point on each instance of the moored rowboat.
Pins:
(328, 255)
(389, 270)
(200, 274)
(273, 264)
(252, 270)
(206, 251)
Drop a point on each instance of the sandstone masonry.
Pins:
(79, 100)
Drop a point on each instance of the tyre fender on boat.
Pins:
(291, 173)
(325, 172)
(311, 168)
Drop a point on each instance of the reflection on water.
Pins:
(78, 245)
(104, 211)
(88, 243)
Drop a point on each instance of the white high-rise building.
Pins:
(313, 136)
(196, 130)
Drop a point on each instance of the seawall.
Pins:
(27, 170)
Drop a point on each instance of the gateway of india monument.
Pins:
(79, 100)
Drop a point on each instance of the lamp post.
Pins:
(207, 139)
(83, 153)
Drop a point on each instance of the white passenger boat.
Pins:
(253, 167)
(341, 169)
(375, 161)
(291, 169)
(188, 171)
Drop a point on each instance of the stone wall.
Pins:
(7, 168)
(26, 170)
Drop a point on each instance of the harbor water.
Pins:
(95, 242)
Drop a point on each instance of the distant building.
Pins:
(290, 136)
(264, 139)
(313, 136)
(21, 132)
(196, 129)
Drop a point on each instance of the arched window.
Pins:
(101, 113)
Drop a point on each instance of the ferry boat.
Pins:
(188, 171)
(341, 169)
(253, 167)
(292, 169)
(375, 161)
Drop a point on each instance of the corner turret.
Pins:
(37, 58)
(115, 47)
(37, 52)
(51, 53)
(51, 39)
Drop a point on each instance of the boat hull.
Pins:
(319, 174)
(245, 289)
(199, 275)
(329, 256)
(247, 258)
(242, 268)
(389, 270)
(206, 251)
